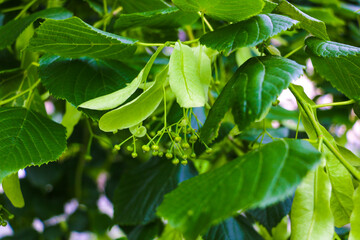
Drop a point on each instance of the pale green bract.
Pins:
(342, 188)
(27, 139)
(355, 217)
(311, 217)
(11, 186)
(229, 10)
(117, 98)
(189, 76)
(73, 38)
(257, 179)
(138, 109)
(70, 119)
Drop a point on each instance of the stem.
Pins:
(20, 94)
(25, 9)
(334, 104)
(165, 44)
(203, 18)
(293, 51)
(348, 166)
(307, 110)
(165, 121)
(354, 172)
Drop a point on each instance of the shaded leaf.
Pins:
(272, 215)
(79, 80)
(310, 24)
(137, 110)
(206, 199)
(248, 33)
(161, 18)
(230, 10)
(73, 38)
(10, 31)
(233, 229)
(146, 232)
(337, 63)
(27, 138)
(141, 191)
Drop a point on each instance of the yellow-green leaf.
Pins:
(11, 186)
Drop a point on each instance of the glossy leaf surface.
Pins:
(247, 33)
(338, 63)
(73, 38)
(230, 10)
(254, 180)
(167, 17)
(27, 138)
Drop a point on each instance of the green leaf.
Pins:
(337, 63)
(27, 138)
(9, 82)
(186, 73)
(341, 202)
(257, 179)
(269, 6)
(74, 38)
(14, 28)
(141, 190)
(80, 80)
(162, 18)
(70, 119)
(239, 228)
(247, 33)
(137, 110)
(324, 14)
(311, 217)
(117, 98)
(217, 112)
(271, 216)
(261, 81)
(142, 5)
(310, 24)
(250, 92)
(342, 188)
(146, 232)
(231, 10)
(11, 186)
(355, 217)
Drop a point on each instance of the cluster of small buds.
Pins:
(179, 149)
(5, 215)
